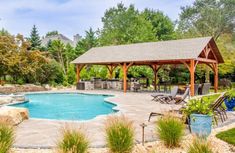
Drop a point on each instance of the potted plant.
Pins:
(200, 114)
(230, 100)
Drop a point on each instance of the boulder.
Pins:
(18, 98)
(13, 115)
(5, 100)
(8, 89)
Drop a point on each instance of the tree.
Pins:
(226, 44)
(69, 55)
(17, 62)
(86, 43)
(35, 39)
(57, 51)
(71, 74)
(9, 55)
(4, 32)
(207, 18)
(52, 33)
(161, 23)
(51, 73)
(124, 25)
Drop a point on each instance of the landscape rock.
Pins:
(9, 89)
(5, 100)
(13, 115)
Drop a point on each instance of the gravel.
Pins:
(157, 146)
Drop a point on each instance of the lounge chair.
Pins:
(177, 113)
(178, 100)
(196, 87)
(173, 94)
(175, 100)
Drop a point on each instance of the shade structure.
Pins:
(189, 52)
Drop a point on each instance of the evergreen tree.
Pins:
(86, 43)
(35, 39)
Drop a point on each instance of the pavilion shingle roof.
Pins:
(150, 51)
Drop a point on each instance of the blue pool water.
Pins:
(66, 106)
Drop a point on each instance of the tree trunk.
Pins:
(61, 61)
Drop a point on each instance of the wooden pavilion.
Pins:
(189, 52)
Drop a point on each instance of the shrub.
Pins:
(119, 134)
(199, 145)
(230, 94)
(198, 106)
(73, 141)
(6, 137)
(170, 130)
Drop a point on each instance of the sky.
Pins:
(71, 17)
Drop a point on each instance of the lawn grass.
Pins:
(210, 98)
(227, 136)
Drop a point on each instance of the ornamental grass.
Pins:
(170, 130)
(199, 145)
(119, 134)
(73, 141)
(7, 137)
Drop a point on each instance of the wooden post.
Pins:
(216, 77)
(192, 71)
(78, 73)
(111, 69)
(155, 80)
(79, 68)
(155, 68)
(155, 76)
(124, 77)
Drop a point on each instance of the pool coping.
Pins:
(98, 118)
(120, 107)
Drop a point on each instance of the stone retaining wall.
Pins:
(8, 89)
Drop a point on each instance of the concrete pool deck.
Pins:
(41, 133)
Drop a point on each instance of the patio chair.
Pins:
(136, 87)
(178, 114)
(218, 109)
(206, 88)
(179, 100)
(196, 87)
(175, 100)
(173, 93)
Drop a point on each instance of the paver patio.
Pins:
(41, 133)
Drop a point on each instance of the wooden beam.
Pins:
(213, 52)
(216, 78)
(129, 65)
(204, 52)
(124, 67)
(155, 69)
(207, 51)
(211, 66)
(111, 69)
(186, 64)
(206, 60)
(192, 79)
(79, 68)
(196, 62)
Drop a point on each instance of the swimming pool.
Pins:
(66, 106)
